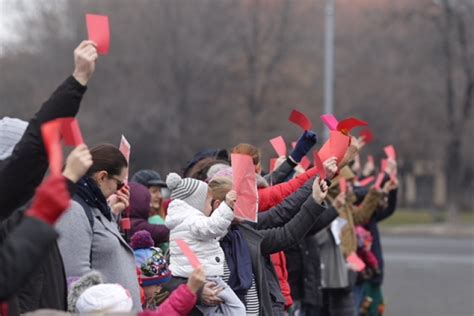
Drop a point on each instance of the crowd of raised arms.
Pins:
(89, 237)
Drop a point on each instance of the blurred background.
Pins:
(183, 75)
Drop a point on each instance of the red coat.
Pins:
(274, 195)
(180, 303)
(279, 262)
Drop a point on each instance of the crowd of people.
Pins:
(314, 250)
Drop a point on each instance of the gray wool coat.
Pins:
(100, 248)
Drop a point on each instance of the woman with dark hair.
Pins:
(90, 237)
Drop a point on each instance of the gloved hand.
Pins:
(51, 200)
(303, 146)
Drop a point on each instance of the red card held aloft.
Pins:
(273, 164)
(52, 141)
(99, 32)
(345, 126)
(355, 261)
(300, 119)
(367, 135)
(71, 132)
(370, 159)
(383, 165)
(319, 165)
(279, 145)
(342, 185)
(379, 180)
(330, 121)
(189, 253)
(245, 184)
(293, 145)
(336, 146)
(390, 152)
(305, 162)
(365, 182)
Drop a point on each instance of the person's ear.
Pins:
(216, 204)
(101, 176)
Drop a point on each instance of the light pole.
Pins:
(329, 17)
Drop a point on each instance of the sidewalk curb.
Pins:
(444, 230)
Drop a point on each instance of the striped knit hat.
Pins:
(11, 131)
(191, 191)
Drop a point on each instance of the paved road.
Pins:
(429, 276)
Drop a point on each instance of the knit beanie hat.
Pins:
(150, 260)
(11, 131)
(191, 191)
(105, 298)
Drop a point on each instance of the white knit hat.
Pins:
(11, 131)
(189, 190)
(105, 298)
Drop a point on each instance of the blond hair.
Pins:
(219, 187)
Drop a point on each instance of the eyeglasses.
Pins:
(120, 183)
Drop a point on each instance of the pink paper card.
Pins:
(319, 165)
(71, 132)
(338, 143)
(390, 152)
(52, 142)
(356, 262)
(99, 32)
(301, 120)
(365, 182)
(305, 162)
(293, 145)
(347, 125)
(125, 148)
(189, 253)
(330, 121)
(342, 185)
(367, 135)
(379, 180)
(279, 145)
(245, 184)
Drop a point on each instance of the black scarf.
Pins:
(90, 192)
(237, 255)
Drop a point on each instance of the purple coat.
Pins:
(140, 211)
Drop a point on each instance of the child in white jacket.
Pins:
(189, 218)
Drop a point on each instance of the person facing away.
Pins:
(190, 219)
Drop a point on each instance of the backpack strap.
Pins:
(87, 209)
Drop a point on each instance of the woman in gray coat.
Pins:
(90, 237)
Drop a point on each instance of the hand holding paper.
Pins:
(77, 163)
(231, 198)
(85, 57)
(320, 190)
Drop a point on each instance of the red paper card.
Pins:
(189, 253)
(365, 182)
(379, 180)
(330, 121)
(71, 132)
(390, 152)
(300, 119)
(293, 145)
(51, 137)
(319, 165)
(356, 262)
(305, 162)
(345, 126)
(279, 145)
(245, 184)
(367, 135)
(343, 185)
(99, 32)
(336, 146)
